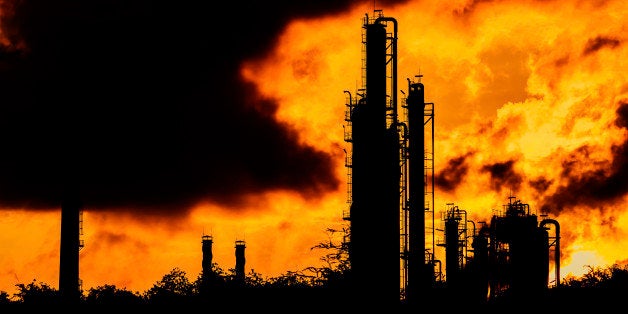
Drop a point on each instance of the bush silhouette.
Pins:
(599, 285)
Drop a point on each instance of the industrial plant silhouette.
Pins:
(388, 258)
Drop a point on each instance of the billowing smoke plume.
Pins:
(599, 42)
(503, 176)
(452, 175)
(531, 106)
(140, 104)
(606, 183)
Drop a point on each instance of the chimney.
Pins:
(240, 261)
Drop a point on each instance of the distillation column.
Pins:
(374, 211)
(420, 275)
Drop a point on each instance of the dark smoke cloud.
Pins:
(540, 185)
(503, 176)
(621, 120)
(139, 103)
(599, 42)
(452, 175)
(592, 188)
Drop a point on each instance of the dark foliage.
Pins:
(110, 295)
(600, 287)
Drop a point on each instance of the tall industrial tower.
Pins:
(240, 274)
(375, 169)
(418, 217)
(71, 230)
(389, 171)
(206, 262)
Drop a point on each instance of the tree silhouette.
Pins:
(174, 287)
(337, 265)
(216, 285)
(211, 281)
(109, 295)
(613, 276)
(37, 293)
(311, 285)
(4, 297)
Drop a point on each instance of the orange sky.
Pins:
(532, 82)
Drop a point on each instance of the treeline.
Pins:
(312, 286)
(218, 285)
(175, 287)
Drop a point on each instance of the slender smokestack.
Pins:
(207, 254)
(207, 274)
(69, 288)
(240, 261)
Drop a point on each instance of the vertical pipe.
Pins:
(433, 180)
(557, 250)
(394, 64)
